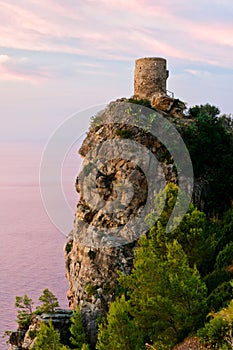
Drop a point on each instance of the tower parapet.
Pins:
(150, 77)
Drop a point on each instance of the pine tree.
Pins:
(119, 331)
(165, 290)
(166, 296)
(48, 338)
(24, 305)
(49, 302)
(78, 336)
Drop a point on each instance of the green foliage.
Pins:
(225, 257)
(204, 110)
(78, 337)
(48, 338)
(85, 347)
(225, 230)
(218, 277)
(217, 333)
(210, 143)
(165, 286)
(164, 204)
(142, 102)
(7, 334)
(219, 297)
(24, 312)
(178, 277)
(49, 302)
(119, 331)
(124, 133)
(91, 254)
(194, 233)
(32, 333)
(197, 236)
(68, 247)
(90, 290)
(166, 291)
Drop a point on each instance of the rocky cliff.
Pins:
(113, 190)
(24, 339)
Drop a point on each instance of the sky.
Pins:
(59, 57)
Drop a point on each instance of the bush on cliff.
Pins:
(209, 139)
(25, 310)
(78, 336)
(48, 338)
(169, 292)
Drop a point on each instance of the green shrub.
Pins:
(91, 254)
(78, 336)
(48, 338)
(32, 333)
(68, 247)
(142, 102)
(124, 133)
(90, 290)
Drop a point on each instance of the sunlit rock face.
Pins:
(114, 189)
(111, 194)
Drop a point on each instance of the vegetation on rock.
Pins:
(178, 278)
(209, 139)
(24, 307)
(78, 337)
(218, 332)
(181, 282)
(49, 302)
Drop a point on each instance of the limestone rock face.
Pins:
(114, 195)
(113, 190)
(170, 105)
(29, 340)
(92, 275)
(25, 339)
(16, 339)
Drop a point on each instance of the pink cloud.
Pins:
(7, 75)
(221, 34)
(114, 29)
(10, 70)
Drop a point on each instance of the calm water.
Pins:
(31, 249)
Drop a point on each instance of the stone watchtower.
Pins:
(150, 77)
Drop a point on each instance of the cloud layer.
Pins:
(192, 32)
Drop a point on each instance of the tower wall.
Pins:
(150, 77)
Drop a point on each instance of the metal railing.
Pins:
(170, 93)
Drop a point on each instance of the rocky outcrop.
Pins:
(16, 339)
(172, 106)
(92, 275)
(101, 245)
(24, 339)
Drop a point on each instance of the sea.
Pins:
(31, 248)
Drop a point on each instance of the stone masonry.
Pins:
(150, 77)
